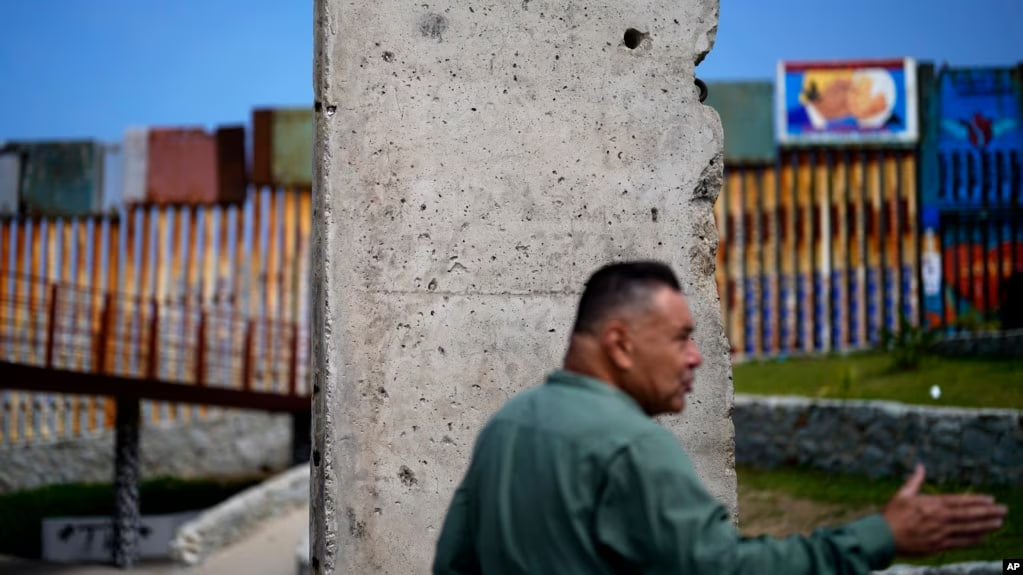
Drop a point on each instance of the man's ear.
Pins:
(617, 345)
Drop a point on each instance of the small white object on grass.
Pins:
(935, 392)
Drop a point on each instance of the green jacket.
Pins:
(573, 477)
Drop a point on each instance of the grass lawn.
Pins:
(22, 512)
(869, 375)
(787, 501)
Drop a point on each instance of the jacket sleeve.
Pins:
(456, 549)
(655, 514)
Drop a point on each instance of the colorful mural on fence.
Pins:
(972, 227)
(845, 102)
(818, 251)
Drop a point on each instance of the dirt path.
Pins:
(780, 515)
(270, 550)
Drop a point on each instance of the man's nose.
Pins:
(695, 357)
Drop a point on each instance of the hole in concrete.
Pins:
(632, 38)
(316, 457)
(315, 564)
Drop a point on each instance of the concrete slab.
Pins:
(474, 163)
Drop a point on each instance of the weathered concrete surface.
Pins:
(232, 443)
(238, 516)
(475, 162)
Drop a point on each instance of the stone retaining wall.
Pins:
(997, 345)
(234, 443)
(877, 438)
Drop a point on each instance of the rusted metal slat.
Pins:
(77, 342)
(63, 336)
(225, 290)
(752, 287)
(787, 233)
(839, 251)
(166, 355)
(241, 281)
(5, 276)
(146, 293)
(289, 256)
(910, 254)
(733, 183)
(193, 296)
(193, 287)
(207, 295)
(5, 309)
(858, 250)
(130, 285)
(874, 292)
(770, 260)
(35, 267)
(97, 250)
(893, 258)
(169, 289)
(114, 241)
(804, 246)
(82, 300)
(270, 343)
(256, 284)
(822, 253)
(720, 268)
(247, 357)
(21, 271)
(302, 282)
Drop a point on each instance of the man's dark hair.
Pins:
(619, 285)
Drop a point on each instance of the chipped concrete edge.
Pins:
(239, 515)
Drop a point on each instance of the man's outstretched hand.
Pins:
(927, 524)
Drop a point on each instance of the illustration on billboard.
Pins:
(845, 102)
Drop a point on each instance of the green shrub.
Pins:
(908, 344)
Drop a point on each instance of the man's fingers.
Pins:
(985, 525)
(967, 499)
(912, 485)
(961, 542)
(977, 512)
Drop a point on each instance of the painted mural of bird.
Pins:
(979, 130)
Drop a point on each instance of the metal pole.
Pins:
(126, 483)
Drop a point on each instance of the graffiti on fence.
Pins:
(972, 235)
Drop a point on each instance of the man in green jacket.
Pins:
(575, 475)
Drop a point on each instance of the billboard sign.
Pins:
(847, 102)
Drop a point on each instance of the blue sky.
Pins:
(90, 68)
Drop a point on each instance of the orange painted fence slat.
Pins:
(817, 252)
(132, 295)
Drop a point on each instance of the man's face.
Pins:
(662, 357)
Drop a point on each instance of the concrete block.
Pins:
(89, 539)
(233, 519)
(473, 165)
